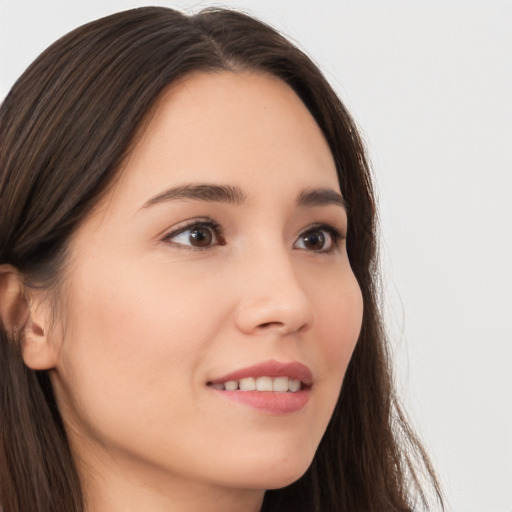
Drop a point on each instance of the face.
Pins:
(216, 262)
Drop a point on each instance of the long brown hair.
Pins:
(65, 129)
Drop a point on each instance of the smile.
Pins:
(271, 387)
(278, 384)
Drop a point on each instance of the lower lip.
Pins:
(271, 402)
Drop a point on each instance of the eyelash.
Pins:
(198, 224)
(335, 235)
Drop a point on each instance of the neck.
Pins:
(122, 489)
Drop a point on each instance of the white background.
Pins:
(430, 85)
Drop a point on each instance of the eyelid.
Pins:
(336, 234)
(204, 222)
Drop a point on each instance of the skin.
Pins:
(147, 319)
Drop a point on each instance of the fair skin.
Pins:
(149, 316)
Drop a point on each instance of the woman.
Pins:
(188, 297)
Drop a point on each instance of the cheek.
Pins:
(131, 341)
(340, 321)
(143, 311)
(338, 327)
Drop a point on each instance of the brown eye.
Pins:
(314, 241)
(322, 239)
(196, 236)
(200, 237)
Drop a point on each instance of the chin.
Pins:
(285, 480)
(273, 474)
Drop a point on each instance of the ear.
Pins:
(13, 306)
(25, 311)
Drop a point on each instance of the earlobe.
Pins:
(22, 314)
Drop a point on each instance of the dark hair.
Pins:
(65, 129)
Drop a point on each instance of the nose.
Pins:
(272, 298)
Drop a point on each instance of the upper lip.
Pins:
(272, 368)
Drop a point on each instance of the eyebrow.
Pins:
(235, 195)
(321, 197)
(209, 193)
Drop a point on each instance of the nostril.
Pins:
(281, 327)
(268, 324)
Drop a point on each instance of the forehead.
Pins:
(245, 129)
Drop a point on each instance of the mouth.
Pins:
(271, 387)
(264, 383)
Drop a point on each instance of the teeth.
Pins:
(248, 384)
(264, 384)
(294, 385)
(279, 384)
(231, 385)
